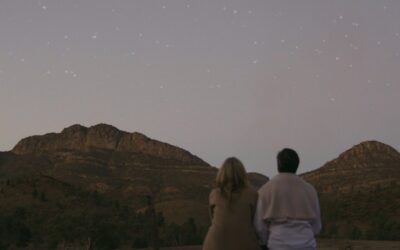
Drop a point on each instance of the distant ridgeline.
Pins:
(105, 188)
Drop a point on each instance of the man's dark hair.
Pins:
(288, 161)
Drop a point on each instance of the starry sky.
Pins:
(216, 77)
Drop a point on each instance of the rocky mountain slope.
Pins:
(104, 137)
(108, 170)
(360, 193)
(360, 168)
(121, 166)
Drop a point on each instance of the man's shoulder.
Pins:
(264, 188)
(309, 186)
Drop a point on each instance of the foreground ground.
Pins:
(333, 245)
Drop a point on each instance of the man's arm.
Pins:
(316, 223)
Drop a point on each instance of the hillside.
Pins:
(117, 164)
(56, 189)
(359, 193)
(101, 168)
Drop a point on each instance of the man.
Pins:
(287, 215)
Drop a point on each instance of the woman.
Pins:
(232, 208)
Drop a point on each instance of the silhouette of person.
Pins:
(287, 215)
(232, 208)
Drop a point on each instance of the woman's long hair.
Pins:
(231, 177)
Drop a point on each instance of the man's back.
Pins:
(288, 213)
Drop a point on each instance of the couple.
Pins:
(283, 215)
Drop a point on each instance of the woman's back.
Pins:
(232, 221)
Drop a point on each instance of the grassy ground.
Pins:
(333, 245)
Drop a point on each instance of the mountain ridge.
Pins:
(107, 168)
(362, 167)
(103, 137)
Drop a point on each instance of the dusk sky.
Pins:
(219, 78)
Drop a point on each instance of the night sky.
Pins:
(218, 78)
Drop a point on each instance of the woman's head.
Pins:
(231, 176)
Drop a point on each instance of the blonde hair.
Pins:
(231, 177)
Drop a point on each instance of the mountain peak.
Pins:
(104, 137)
(361, 167)
(76, 128)
(369, 150)
(372, 155)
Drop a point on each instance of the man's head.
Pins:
(288, 161)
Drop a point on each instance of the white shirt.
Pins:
(286, 234)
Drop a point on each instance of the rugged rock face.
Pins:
(119, 165)
(359, 191)
(360, 168)
(103, 137)
(369, 154)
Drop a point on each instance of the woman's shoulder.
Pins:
(215, 192)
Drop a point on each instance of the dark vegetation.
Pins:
(367, 215)
(44, 213)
